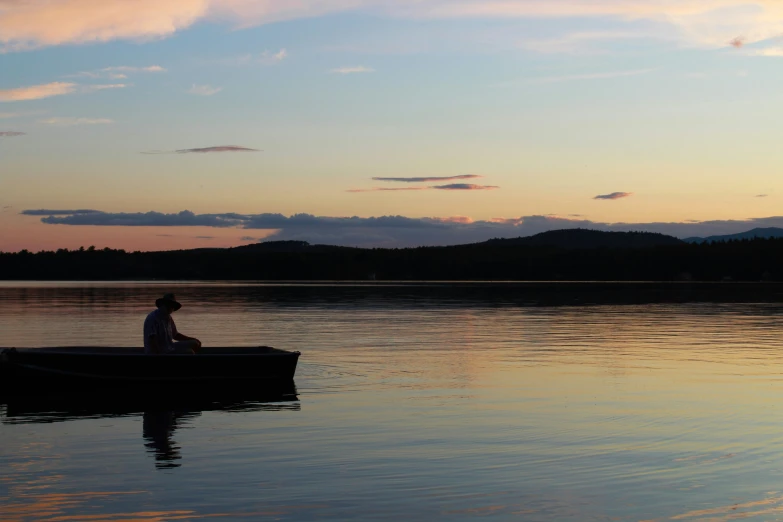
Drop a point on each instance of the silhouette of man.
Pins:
(160, 332)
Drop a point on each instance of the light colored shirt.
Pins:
(161, 325)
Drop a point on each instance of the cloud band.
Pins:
(390, 231)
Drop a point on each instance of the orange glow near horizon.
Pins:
(22, 232)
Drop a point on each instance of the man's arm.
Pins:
(182, 337)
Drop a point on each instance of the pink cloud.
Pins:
(738, 42)
(37, 92)
(506, 221)
(38, 23)
(47, 90)
(26, 25)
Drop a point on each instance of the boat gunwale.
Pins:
(72, 351)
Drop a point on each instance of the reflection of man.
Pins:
(160, 332)
(157, 429)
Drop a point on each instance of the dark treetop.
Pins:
(563, 255)
(764, 233)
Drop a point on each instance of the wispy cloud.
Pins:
(37, 92)
(583, 77)
(48, 212)
(270, 58)
(386, 189)
(453, 186)
(263, 58)
(204, 90)
(204, 150)
(774, 52)
(131, 69)
(761, 195)
(392, 231)
(10, 134)
(247, 238)
(429, 179)
(102, 87)
(352, 70)
(23, 114)
(581, 42)
(117, 73)
(71, 122)
(464, 186)
(614, 195)
(48, 90)
(220, 148)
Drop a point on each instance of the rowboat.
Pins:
(34, 369)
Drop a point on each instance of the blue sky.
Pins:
(551, 103)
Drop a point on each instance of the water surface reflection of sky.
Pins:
(420, 406)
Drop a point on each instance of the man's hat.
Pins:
(168, 299)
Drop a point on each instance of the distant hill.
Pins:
(580, 238)
(287, 246)
(764, 233)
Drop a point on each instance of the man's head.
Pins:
(168, 303)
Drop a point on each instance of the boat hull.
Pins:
(36, 370)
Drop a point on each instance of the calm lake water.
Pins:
(417, 402)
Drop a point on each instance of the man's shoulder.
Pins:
(153, 315)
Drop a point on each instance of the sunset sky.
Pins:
(144, 124)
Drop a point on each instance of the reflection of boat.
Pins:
(23, 370)
(161, 415)
(58, 407)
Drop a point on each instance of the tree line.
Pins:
(743, 260)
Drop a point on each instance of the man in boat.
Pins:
(160, 332)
